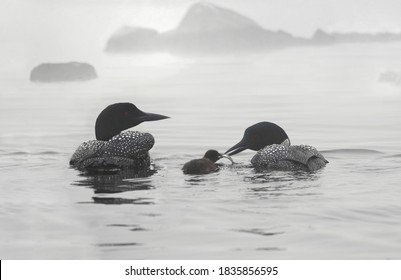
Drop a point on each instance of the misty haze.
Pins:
(328, 73)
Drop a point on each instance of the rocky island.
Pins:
(63, 72)
(133, 39)
(209, 29)
(205, 28)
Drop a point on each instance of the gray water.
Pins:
(328, 97)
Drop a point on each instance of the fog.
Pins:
(50, 30)
(339, 97)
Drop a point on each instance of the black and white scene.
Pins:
(200, 130)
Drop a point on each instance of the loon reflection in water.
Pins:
(114, 150)
(205, 165)
(274, 150)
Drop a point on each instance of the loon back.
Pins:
(86, 150)
(282, 157)
(128, 144)
(127, 150)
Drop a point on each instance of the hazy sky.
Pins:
(76, 27)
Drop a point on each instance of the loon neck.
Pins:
(286, 142)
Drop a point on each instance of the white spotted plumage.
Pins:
(125, 150)
(282, 157)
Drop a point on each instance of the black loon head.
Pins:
(259, 136)
(121, 116)
(214, 156)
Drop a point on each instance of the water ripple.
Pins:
(352, 152)
(25, 153)
(132, 227)
(259, 232)
(119, 200)
(270, 249)
(116, 183)
(119, 244)
(282, 177)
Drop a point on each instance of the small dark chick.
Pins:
(205, 165)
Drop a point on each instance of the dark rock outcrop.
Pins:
(63, 72)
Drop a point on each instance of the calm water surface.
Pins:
(329, 97)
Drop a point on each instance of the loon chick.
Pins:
(275, 150)
(204, 165)
(114, 150)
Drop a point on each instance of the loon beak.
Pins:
(237, 148)
(227, 157)
(147, 117)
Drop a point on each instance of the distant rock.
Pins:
(63, 72)
(391, 76)
(321, 37)
(209, 29)
(355, 37)
(205, 17)
(205, 28)
(133, 39)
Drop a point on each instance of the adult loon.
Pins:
(204, 165)
(114, 150)
(275, 151)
